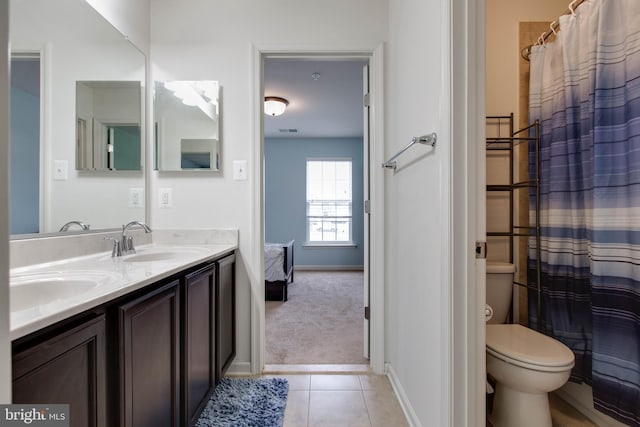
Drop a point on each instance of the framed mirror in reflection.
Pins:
(108, 135)
(54, 46)
(187, 131)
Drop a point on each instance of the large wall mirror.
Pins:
(186, 125)
(61, 49)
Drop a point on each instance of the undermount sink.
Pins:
(157, 256)
(161, 254)
(38, 289)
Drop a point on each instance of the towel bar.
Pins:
(429, 139)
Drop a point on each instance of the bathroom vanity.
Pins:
(150, 348)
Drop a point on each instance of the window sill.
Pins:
(329, 245)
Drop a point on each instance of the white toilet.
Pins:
(526, 364)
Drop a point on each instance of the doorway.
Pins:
(25, 101)
(375, 220)
(315, 185)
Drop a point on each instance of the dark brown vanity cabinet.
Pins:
(208, 332)
(68, 367)
(226, 311)
(199, 341)
(149, 358)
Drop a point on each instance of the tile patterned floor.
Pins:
(564, 415)
(350, 397)
(317, 400)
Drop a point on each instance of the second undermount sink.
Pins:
(38, 289)
(163, 254)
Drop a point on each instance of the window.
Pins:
(329, 201)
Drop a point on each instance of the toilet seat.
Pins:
(524, 347)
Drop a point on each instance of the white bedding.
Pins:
(273, 262)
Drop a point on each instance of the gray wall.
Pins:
(5, 349)
(25, 147)
(285, 196)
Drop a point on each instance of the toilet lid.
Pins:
(522, 344)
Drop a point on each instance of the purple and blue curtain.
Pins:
(585, 91)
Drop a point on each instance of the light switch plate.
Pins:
(239, 170)
(60, 170)
(166, 198)
(136, 196)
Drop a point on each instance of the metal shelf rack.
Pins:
(508, 144)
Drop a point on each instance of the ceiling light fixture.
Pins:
(274, 105)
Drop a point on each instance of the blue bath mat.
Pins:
(246, 402)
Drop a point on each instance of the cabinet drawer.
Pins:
(68, 368)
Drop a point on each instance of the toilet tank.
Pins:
(499, 289)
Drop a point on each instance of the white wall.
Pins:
(5, 348)
(417, 208)
(204, 40)
(130, 17)
(502, 53)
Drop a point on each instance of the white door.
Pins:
(366, 191)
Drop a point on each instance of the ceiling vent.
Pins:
(288, 130)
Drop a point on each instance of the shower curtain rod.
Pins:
(553, 29)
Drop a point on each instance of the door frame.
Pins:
(376, 218)
(468, 104)
(43, 52)
(5, 342)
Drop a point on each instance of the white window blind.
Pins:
(329, 200)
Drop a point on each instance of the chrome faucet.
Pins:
(126, 241)
(82, 225)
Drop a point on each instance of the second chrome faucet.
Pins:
(124, 245)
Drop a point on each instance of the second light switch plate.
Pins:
(239, 170)
(165, 198)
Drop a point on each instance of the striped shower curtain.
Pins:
(585, 90)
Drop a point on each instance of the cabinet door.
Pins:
(149, 331)
(199, 334)
(226, 314)
(68, 368)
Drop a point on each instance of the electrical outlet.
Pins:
(136, 196)
(166, 198)
(60, 170)
(239, 170)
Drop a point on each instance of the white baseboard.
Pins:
(239, 369)
(328, 268)
(409, 413)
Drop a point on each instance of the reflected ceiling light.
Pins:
(274, 105)
(201, 94)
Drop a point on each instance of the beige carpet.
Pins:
(321, 323)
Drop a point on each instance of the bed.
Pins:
(278, 270)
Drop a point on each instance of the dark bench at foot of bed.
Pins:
(277, 290)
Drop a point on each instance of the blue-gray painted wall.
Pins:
(285, 196)
(24, 178)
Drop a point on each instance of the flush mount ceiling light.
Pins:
(274, 105)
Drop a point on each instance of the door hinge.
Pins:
(481, 250)
(366, 100)
(367, 206)
(366, 313)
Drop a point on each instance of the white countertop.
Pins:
(113, 278)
